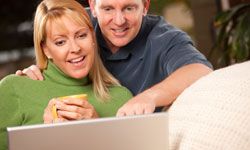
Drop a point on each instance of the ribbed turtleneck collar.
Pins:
(54, 74)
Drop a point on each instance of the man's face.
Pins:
(119, 20)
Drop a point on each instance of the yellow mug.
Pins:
(79, 96)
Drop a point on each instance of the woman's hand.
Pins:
(48, 114)
(75, 109)
(69, 109)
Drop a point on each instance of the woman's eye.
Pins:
(59, 43)
(83, 35)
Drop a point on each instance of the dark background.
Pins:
(16, 23)
(16, 37)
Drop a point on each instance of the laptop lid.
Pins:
(143, 132)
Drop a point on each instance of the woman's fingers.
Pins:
(75, 109)
(69, 109)
(72, 115)
(77, 102)
(48, 116)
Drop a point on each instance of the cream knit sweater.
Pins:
(214, 112)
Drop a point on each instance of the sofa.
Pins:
(214, 112)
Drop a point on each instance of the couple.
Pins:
(155, 61)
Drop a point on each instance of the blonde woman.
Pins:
(67, 53)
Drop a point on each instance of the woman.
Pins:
(66, 51)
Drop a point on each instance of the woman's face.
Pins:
(71, 48)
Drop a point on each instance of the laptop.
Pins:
(143, 132)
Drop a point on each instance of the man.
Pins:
(150, 57)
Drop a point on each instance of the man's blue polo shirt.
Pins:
(157, 51)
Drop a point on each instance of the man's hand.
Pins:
(33, 72)
(140, 104)
(165, 92)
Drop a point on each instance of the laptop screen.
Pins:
(144, 132)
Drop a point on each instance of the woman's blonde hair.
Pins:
(54, 10)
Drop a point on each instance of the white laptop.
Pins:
(143, 132)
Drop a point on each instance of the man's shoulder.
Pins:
(150, 18)
(163, 34)
(158, 22)
(161, 28)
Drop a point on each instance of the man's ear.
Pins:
(92, 7)
(146, 7)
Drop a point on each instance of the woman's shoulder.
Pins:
(7, 82)
(9, 78)
(13, 79)
(120, 91)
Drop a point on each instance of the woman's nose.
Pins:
(75, 47)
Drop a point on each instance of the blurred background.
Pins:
(219, 28)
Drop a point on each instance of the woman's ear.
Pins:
(46, 51)
(92, 7)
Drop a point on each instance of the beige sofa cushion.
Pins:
(214, 112)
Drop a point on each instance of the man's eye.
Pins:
(59, 43)
(107, 9)
(130, 9)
